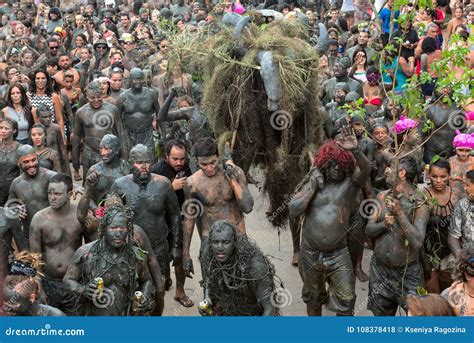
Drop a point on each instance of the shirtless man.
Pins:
(327, 202)
(139, 107)
(214, 192)
(151, 196)
(66, 67)
(109, 169)
(56, 233)
(398, 228)
(93, 121)
(31, 187)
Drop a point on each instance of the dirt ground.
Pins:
(279, 250)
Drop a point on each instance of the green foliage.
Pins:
(355, 109)
(435, 159)
(421, 291)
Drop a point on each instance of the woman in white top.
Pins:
(19, 108)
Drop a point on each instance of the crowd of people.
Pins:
(91, 86)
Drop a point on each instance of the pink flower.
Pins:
(404, 124)
(99, 213)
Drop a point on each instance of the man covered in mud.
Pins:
(109, 169)
(151, 196)
(93, 121)
(326, 198)
(215, 192)
(56, 233)
(139, 107)
(398, 229)
(29, 191)
(105, 274)
(239, 277)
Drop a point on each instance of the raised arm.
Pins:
(305, 192)
(238, 182)
(348, 141)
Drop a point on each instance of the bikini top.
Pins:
(374, 101)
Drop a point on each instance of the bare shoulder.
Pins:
(195, 178)
(160, 178)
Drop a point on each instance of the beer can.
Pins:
(206, 307)
(100, 285)
(137, 300)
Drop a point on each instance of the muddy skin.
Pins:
(223, 195)
(340, 72)
(398, 231)
(326, 200)
(86, 215)
(151, 196)
(439, 143)
(56, 233)
(9, 169)
(93, 121)
(31, 187)
(117, 259)
(244, 264)
(138, 107)
(54, 140)
(109, 169)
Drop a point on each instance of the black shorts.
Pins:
(335, 268)
(58, 296)
(388, 287)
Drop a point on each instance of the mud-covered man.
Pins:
(398, 227)
(326, 198)
(121, 265)
(56, 233)
(239, 276)
(215, 192)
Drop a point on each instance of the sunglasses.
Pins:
(101, 47)
(69, 12)
(54, 47)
